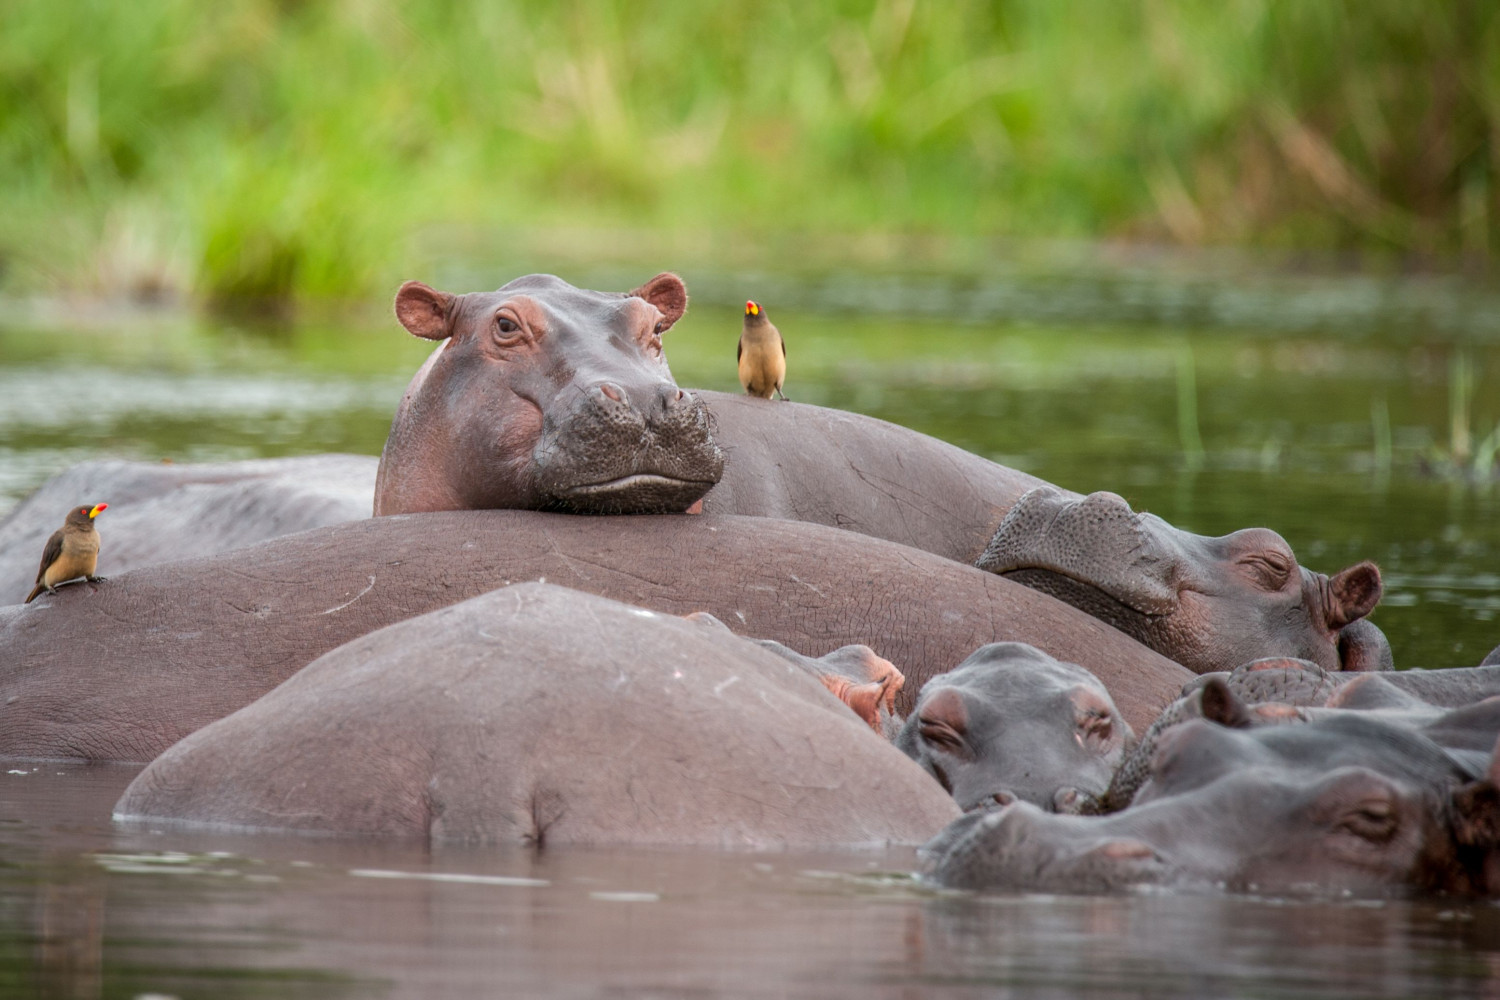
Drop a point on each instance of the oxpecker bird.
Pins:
(762, 354)
(71, 553)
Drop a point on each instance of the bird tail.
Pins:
(34, 591)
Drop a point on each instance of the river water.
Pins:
(1353, 446)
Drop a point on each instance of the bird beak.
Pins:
(751, 309)
(97, 509)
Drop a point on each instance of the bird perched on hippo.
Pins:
(761, 354)
(72, 553)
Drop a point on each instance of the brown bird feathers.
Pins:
(762, 354)
(71, 553)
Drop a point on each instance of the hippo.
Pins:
(161, 512)
(1347, 804)
(122, 670)
(855, 674)
(1278, 690)
(1493, 659)
(1011, 722)
(537, 715)
(543, 396)
(1207, 603)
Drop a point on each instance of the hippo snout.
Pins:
(644, 449)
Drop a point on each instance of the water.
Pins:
(1341, 442)
(88, 910)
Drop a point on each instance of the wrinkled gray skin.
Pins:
(1012, 723)
(1492, 660)
(121, 670)
(539, 715)
(1349, 803)
(159, 512)
(543, 396)
(1208, 603)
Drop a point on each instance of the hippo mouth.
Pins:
(637, 493)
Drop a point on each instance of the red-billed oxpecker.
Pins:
(72, 553)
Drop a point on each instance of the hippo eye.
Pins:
(943, 737)
(1371, 820)
(1271, 569)
(506, 325)
(660, 328)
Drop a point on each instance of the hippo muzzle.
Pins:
(615, 452)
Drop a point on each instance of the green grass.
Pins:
(269, 150)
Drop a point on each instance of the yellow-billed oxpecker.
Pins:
(71, 553)
(762, 354)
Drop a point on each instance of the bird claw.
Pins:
(96, 579)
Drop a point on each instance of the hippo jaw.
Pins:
(634, 493)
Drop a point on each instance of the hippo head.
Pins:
(1012, 723)
(1208, 603)
(1350, 803)
(542, 396)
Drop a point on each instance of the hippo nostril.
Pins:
(1004, 798)
(613, 391)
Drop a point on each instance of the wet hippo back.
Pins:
(539, 715)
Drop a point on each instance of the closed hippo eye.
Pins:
(1270, 570)
(1374, 820)
(944, 737)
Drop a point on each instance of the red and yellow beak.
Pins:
(98, 508)
(751, 309)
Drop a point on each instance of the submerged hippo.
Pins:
(546, 397)
(540, 715)
(121, 671)
(1349, 803)
(1011, 722)
(1208, 603)
(160, 512)
(1279, 691)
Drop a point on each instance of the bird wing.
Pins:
(50, 553)
(739, 351)
(783, 344)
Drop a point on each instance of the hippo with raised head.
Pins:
(123, 670)
(1011, 722)
(1351, 803)
(538, 715)
(1209, 603)
(543, 396)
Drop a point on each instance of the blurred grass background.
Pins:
(280, 150)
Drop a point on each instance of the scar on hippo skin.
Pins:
(1012, 723)
(1208, 603)
(856, 675)
(542, 396)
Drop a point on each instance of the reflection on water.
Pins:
(89, 911)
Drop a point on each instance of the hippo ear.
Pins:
(1095, 719)
(423, 310)
(1476, 821)
(1353, 594)
(1219, 704)
(943, 721)
(667, 293)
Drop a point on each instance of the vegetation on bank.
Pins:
(274, 149)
